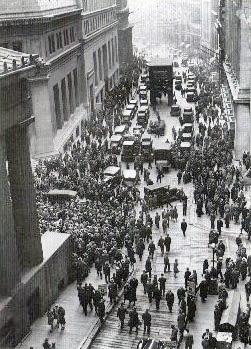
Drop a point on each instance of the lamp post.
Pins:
(213, 245)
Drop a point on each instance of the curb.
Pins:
(87, 342)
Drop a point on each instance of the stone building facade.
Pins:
(31, 267)
(78, 41)
(235, 55)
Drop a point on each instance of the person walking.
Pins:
(175, 267)
(162, 284)
(147, 318)
(121, 313)
(184, 227)
(170, 300)
(167, 242)
(166, 263)
(189, 341)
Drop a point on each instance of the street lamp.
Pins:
(213, 246)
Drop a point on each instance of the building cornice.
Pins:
(63, 56)
(96, 34)
(4, 22)
(88, 14)
(239, 94)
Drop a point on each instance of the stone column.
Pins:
(42, 110)
(23, 197)
(9, 261)
(242, 132)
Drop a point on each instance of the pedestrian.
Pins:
(134, 320)
(175, 268)
(46, 344)
(187, 276)
(143, 280)
(121, 313)
(50, 318)
(189, 341)
(61, 317)
(157, 297)
(162, 284)
(170, 300)
(159, 175)
(166, 263)
(179, 176)
(107, 272)
(146, 317)
(148, 267)
(183, 227)
(101, 310)
(161, 245)
(185, 206)
(157, 219)
(174, 334)
(167, 242)
(151, 249)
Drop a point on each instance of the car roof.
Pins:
(116, 138)
(120, 128)
(143, 108)
(127, 112)
(129, 174)
(128, 143)
(112, 170)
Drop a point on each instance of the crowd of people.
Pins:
(107, 231)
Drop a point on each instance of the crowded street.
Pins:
(187, 251)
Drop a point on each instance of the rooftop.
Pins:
(13, 60)
(25, 9)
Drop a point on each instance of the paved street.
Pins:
(190, 252)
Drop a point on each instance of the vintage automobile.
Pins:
(190, 97)
(126, 117)
(150, 343)
(187, 128)
(144, 103)
(133, 108)
(137, 131)
(58, 195)
(162, 155)
(178, 85)
(187, 117)
(144, 78)
(128, 151)
(175, 110)
(143, 115)
(146, 147)
(120, 130)
(129, 177)
(143, 88)
(186, 137)
(135, 103)
(185, 146)
(143, 95)
(112, 175)
(116, 144)
(162, 194)
(191, 89)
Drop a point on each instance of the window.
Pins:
(72, 34)
(59, 40)
(66, 37)
(116, 48)
(95, 67)
(112, 52)
(57, 106)
(70, 93)
(64, 100)
(75, 80)
(51, 41)
(109, 54)
(100, 64)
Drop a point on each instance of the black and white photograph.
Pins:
(125, 174)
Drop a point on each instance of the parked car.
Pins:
(112, 175)
(127, 116)
(133, 108)
(128, 151)
(190, 97)
(116, 144)
(120, 130)
(175, 110)
(129, 177)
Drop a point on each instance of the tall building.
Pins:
(78, 42)
(235, 58)
(53, 31)
(124, 34)
(31, 267)
(100, 42)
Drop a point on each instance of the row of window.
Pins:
(56, 42)
(106, 57)
(68, 88)
(99, 21)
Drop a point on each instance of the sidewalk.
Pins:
(78, 326)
